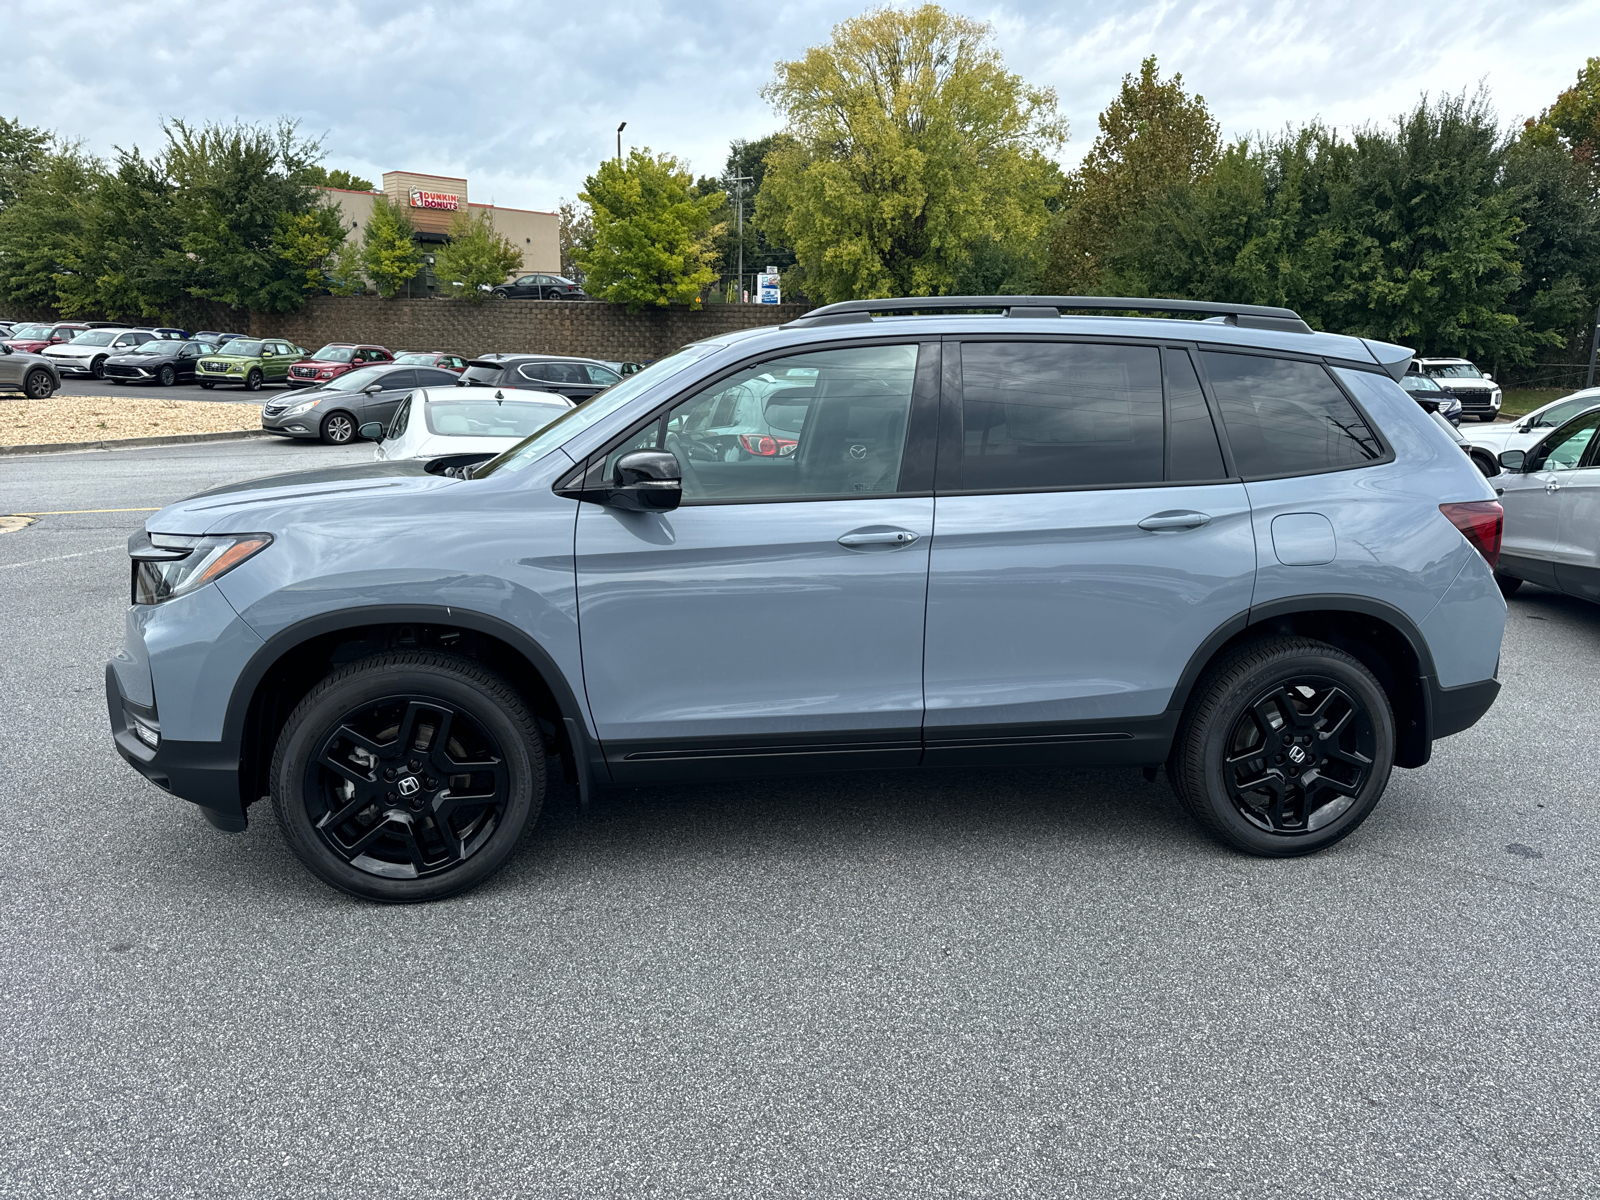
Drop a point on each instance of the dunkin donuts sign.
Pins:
(422, 199)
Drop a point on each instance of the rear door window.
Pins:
(1285, 417)
(434, 377)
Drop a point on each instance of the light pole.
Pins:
(620, 128)
(740, 181)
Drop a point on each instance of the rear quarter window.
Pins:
(1285, 417)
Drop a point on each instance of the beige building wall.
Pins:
(536, 234)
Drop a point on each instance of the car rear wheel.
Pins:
(38, 385)
(166, 377)
(97, 368)
(252, 381)
(338, 428)
(1285, 748)
(1508, 584)
(408, 777)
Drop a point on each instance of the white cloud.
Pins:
(524, 98)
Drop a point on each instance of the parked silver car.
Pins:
(34, 375)
(1551, 496)
(86, 354)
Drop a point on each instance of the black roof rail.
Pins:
(1246, 316)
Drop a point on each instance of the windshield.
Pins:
(416, 360)
(239, 348)
(575, 420)
(1454, 371)
(156, 346)
(488, 418)
(1420, 383)
(95, 337)
(339, 354)
(354, 381)
(29, 333)
(1563, 411)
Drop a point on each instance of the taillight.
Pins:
(760, 445)
(1481, 523)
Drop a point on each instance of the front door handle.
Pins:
(1552, 487)
(1175, 520)
(879, 539)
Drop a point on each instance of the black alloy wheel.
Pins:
(1285, 748)
(252, 381)
(408, 776)
(97, 368)
(338, 428)
(166, 377)
(38, 385)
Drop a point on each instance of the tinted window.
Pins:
(1042, 415)
(843, 435)
(1564, 411)
(1193, 453)
(401, 418)
(398, 379)
(485, 373)
(1286, 418)
(549, 372)
(1564, 449)
(434, 377)
(604, 376)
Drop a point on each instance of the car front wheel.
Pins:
(338, 428)
(1285, 748)
(38, 385)
(252, 381)
(408, 777)
(166, 377)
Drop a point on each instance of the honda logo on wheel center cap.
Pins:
(409, 786)
(1296, 756)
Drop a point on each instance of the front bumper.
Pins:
(72, 366)
(306, 425)
(204, 773)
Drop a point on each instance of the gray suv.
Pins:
(1231, 548)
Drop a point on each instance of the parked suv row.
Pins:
(1232, 549)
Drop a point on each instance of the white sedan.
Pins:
(1525, 432)
(434, 422)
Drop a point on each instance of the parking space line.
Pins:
(58, 557)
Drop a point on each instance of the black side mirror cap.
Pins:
(1514, 460)
(372, 431)
(646, 481)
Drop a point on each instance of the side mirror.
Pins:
(372, 431)
(1513, 460)
(646, 481)
(372, 389)
(1490, 378)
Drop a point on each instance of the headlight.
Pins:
(166, 566)
(301, 408)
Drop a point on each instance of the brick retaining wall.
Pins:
(588, 328)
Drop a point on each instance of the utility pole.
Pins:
(620, 128)
(739, 181)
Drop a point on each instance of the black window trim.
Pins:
(917, 464)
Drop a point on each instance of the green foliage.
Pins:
(1153, 136)
(474, 256)
(338, 179)
(22, 154)
(389, 254)
(747, 159)
(312, 242)
(41, 231)
(912, 149)
(653, 232)
(576, 234)
(121, 258)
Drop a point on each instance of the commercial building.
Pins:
(433, 201)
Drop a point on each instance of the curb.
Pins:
(171, 439)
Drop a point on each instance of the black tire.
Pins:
(97, 367)
(1345, 743)
(1487, 416)
(252, 381)
(166, 377)
(500, 294)
(338, 428)
(1508, 584)
(208, 384)
(329, 776)
(38, 385)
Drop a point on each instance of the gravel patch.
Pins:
(97, 418)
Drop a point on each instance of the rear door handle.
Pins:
(1175, 520)
(886, 539)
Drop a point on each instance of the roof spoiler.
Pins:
(1393, 359)
(1246, 316)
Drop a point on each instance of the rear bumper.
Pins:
(1456, 708)
(204, 773)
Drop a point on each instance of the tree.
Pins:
(652, 232)
(389, 253)
(475, 257)
(22, 154)
(123, 256)
(41, 228)
(336, 178)
(1153, 136)
(312, 242)
(912, 147)
(576, 234)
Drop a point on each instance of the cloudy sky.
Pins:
(524, 98)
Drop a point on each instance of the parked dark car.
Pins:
(431, 358)
(540, 287)
(1425, 387)
(168, 331)
(333, 360)
(575, 378)
(161, 361)
(335, 410)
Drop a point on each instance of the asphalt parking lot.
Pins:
(74, 386)
(1014, 983)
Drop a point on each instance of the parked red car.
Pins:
(333, 360)
(32, 338)
(431, 358)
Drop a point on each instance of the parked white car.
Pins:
(86, 354)
(434, 422)
(1551, 497)
(1479, 394)
(1526, 432)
